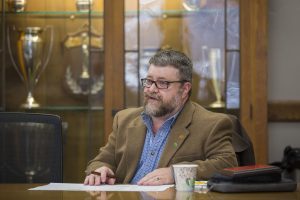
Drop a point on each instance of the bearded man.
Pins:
(169, 129)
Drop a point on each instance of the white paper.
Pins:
(82, 187)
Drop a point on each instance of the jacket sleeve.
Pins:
(106, 156)
(215, 152)
(218, 150)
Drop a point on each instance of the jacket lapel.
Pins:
(178, 134)
(135, 143)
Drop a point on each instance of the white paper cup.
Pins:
(185, 176)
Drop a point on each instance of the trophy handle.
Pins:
(24, 77)
(48, 53)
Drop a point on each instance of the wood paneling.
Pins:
(114, 60)
(253, 22)
(80, 145)
(284, 111)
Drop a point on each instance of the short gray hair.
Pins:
(176, 59)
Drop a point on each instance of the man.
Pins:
(169, 129)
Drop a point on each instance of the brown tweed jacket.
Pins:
(198, 136)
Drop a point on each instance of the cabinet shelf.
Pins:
(56, 14)
(67, 108)
(99, 14)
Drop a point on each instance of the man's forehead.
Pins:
(159, 67)
(162, 71)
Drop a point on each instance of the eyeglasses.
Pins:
(159, 84)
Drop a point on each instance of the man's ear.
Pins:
(187, 86)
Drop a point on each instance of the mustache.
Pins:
(154, 96)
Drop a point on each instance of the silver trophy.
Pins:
(30, 56)
(16, 5)
(84, 5)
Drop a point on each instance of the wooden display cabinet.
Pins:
(71, 84)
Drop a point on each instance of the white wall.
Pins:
(283, 70)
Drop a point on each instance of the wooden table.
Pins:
(21, 192)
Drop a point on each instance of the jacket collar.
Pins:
(178, 134)
(136, 137)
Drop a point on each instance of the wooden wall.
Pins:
(254, 74)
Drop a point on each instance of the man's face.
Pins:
(164, 102)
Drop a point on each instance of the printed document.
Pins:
(117, 187)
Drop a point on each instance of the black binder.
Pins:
(254, 178)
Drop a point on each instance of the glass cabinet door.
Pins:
(55, 54)
(206, 30)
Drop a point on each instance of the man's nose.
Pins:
(153, 87)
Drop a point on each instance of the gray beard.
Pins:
(161, 111)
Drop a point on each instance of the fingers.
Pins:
(100, 176)
(86, 180)
(158, 177)
(92, 180)
(107, 176)
(111, 181)
(151, 180)
(110, 173)
(97, 180)
(103, 176)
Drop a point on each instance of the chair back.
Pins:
(31, 149)
(242, 144)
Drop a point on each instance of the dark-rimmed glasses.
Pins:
(160, 84)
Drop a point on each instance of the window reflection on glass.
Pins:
(233, 80)
(233, 28)
(196, 27)
(131, 80)
(131, 28)
(203, 41)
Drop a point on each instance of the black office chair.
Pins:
(242, 144)
(30, 148)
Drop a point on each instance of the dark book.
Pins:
(249, 174)
(251, 169)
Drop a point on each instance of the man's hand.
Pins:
(159, 176)
(102, 175)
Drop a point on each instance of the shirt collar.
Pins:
(148, 120)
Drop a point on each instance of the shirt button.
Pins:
(152, 153)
